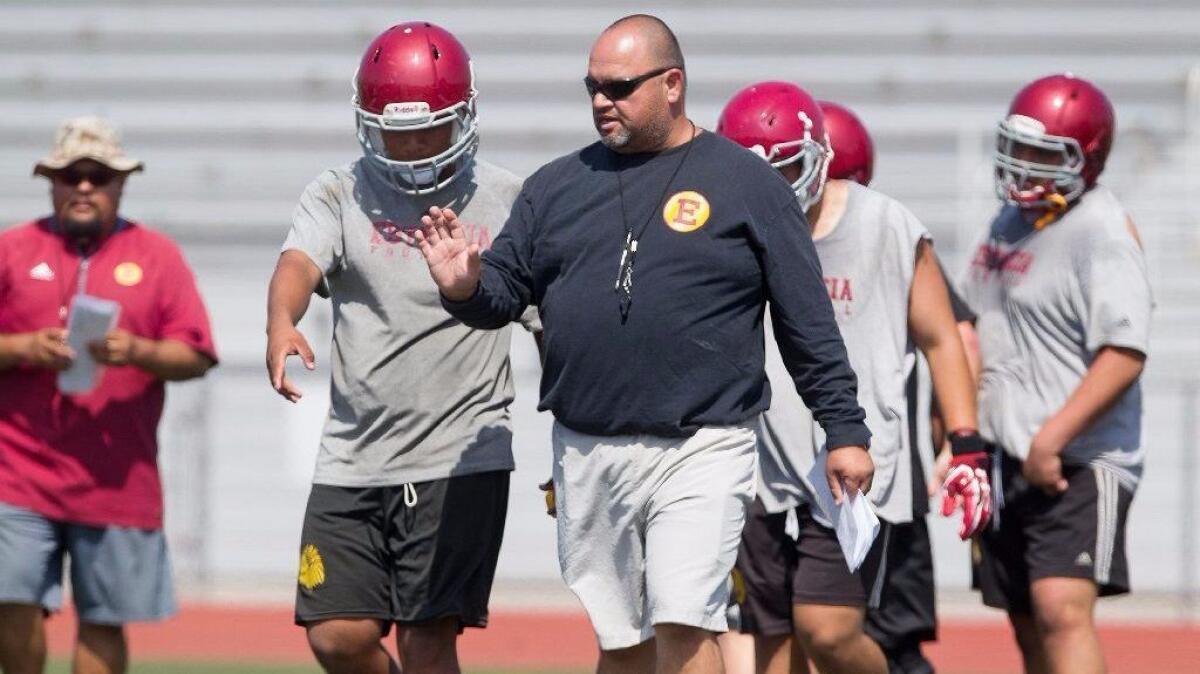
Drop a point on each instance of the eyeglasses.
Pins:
(72, 176)
(615, 90)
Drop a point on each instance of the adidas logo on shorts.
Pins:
(1084, 559)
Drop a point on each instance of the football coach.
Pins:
(652, 256)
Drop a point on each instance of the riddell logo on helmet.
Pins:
(416, 111)
(1026, 124)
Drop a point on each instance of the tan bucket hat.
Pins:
(87, 138)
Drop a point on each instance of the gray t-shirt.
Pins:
(868, 262)
(1047, 302)
(415, 394)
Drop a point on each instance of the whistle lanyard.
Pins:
(624, 284)
(81, 278)
(86, 250)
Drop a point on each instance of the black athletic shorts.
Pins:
(779, 571)
(405, 553)
(1077, 534)
(907, 609)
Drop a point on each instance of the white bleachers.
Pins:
(237, 104)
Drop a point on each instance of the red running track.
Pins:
(542, 640)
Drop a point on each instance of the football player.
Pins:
(1060, 285)
(407, 508)
(906, 615)
(889, 297)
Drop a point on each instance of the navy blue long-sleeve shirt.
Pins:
(690, 352)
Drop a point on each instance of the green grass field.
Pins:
(63, 667)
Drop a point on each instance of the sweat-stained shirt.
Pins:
(716, 245)
(416, 395)
(90, 458)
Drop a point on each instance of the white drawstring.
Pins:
(791, 525)
(410, 495)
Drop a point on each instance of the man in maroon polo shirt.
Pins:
(78, 471)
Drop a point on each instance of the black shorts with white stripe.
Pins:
(1077, 534)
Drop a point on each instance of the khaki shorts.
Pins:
(648, 527)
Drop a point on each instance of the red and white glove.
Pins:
(967, 485)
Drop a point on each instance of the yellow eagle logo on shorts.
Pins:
(739, 587)
(312, 567)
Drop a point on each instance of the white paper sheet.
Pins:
(854, 521)
(91, 319)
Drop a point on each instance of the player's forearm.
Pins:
(952, 381)
(970, 342)
(1112, 372)
(169, 359)
(937, 429)
(291, 288)
(13, 349)
(933, 330)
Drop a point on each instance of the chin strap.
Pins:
(1057, 206)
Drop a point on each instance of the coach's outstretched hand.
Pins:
(850, 466)
(453, 261)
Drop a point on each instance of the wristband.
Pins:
(966, 441)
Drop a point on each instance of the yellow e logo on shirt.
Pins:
(686, 211)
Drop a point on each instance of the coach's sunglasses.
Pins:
(615, 90)
(98, 177)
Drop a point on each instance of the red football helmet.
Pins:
(1052, 145)
(781, 123)
(414, 76)
(853, 151)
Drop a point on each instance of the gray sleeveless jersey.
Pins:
(415, 395)
(1047, 302)
(867, 262)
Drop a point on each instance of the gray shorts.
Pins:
(648, 527)
(118, 575)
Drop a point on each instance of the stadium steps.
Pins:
(237, 104)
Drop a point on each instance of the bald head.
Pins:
(649, 36)
(636, 82)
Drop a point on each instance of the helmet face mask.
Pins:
(1052, 145)
(426, 175)
(813, 159)
(1031, 165)
(415, 77)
